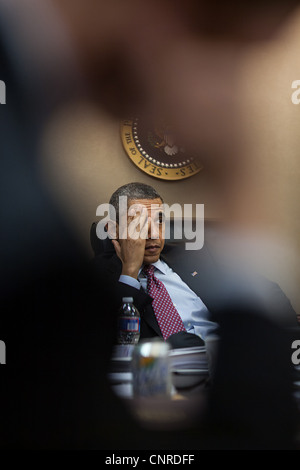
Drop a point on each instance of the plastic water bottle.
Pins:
(129, 322)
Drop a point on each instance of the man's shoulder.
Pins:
(106, 265)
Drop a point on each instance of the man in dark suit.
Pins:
(198, 287)
(250, 402)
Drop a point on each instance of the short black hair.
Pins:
(133, 191)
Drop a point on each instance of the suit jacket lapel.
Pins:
(148, 315)
(197, 269)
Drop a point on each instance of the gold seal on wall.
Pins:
(155, 151)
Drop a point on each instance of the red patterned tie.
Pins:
(168, 318)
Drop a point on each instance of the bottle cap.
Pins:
(127, 299)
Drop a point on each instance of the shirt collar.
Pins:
(160, 265)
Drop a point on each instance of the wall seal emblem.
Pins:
(155, 151)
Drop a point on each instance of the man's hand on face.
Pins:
(130, 247)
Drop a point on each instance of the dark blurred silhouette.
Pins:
(251, 405)
(54, 321)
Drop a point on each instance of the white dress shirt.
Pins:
(192, 310)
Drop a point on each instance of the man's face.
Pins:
(155, 241)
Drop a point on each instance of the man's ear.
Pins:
(112, 229)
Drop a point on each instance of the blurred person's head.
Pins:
(179, 60)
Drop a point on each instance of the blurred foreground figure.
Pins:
(251, 405)
(56, 325)
(54, 322)
(173, 59)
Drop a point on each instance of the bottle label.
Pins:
(129, 324)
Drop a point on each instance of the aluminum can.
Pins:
(151, 372)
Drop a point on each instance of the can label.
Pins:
(151, 369)
(130, 324)
(150, 378)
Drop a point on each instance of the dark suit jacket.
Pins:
(217, 287)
